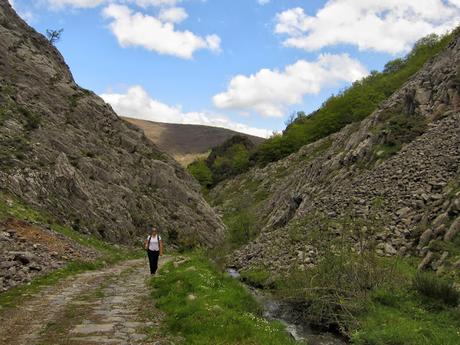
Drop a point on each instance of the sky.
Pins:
(246, 65)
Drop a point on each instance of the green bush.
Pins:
(199, 170)
(240, 228)
(436, 288)
(403, 128)
(338, 289)
(256, 277)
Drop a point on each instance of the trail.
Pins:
(109, 306)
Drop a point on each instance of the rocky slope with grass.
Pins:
(65, 151)
(393, 177)
(29, 250)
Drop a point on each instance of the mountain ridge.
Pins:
(185, 142)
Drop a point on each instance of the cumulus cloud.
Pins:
(137, 29)
(137, 103)
(172, 14)
(390, 26)
(269, 92)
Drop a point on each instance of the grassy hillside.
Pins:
(187, 142)
(351, 105)
(225, 160)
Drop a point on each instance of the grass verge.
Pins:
(203, 306)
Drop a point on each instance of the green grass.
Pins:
(404, 317)
(256, 277)
(204, 306)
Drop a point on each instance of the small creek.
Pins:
(275, 309)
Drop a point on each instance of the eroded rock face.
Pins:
(64, 150)
(346, 174)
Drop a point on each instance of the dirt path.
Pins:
(110, 306)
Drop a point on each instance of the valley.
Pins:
(344, 228)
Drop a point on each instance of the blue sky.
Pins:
(242, 64)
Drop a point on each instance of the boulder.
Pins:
(453, 230)
(426, 261)
(24, 257)
(441, 219)
(425, 238)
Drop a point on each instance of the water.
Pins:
(284, 312)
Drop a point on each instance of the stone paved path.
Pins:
(110, 306)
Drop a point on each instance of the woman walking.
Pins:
(154, 246)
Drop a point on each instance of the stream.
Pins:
(278, 310)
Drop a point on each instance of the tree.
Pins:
(54, 35)
(201, 172)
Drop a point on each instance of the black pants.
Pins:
(153, 260)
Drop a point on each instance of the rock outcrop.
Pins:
(65, 151)
(28, 250)
(413, 190)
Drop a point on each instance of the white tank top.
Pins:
(154, 242)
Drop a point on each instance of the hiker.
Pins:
(154, 246)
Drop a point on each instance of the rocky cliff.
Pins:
(397, 172)
(65, 151)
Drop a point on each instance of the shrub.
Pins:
(403, 128)
(436, 288)
(256, 277)
(241, 228)
(201, 172)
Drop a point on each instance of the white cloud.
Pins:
(269, 92)
(387, 26)
(137, 103)
(146, 3)
(263, 2)
(172, 14)
(58, 4)
(137, 29)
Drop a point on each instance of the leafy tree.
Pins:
(201, 172)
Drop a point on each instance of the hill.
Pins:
(186, 142)
(65, 152)
(343, 225)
